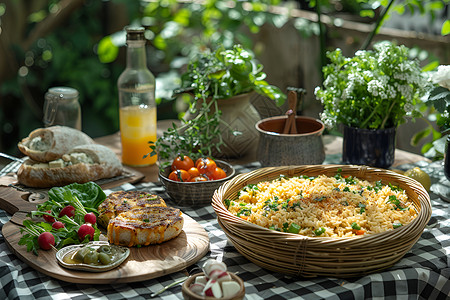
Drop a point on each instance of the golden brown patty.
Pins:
(145, 226)
(122, 201)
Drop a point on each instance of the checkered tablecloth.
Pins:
(423, 273)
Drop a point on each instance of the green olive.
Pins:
(104, 258)
(80, 254)
(104, 249)
(91, 258)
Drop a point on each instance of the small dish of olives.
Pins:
(96, 256)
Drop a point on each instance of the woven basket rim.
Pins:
(422, 218)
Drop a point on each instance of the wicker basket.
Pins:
(194, 194)
(299, 255)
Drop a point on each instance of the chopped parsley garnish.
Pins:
(395, 188)
(346, 189)
(355, 226)
(362, 207)
(337, 189)
(378, 186)
(320, 198)
(294, 228)
(397, 225)
(285, 226)
(345, 203)
(146, 220)
(319, 231)
(227, 202)
(350, 180)
(293, 205)
(271, 205)
(307, 177)
(396, 202)
(244, 211)
(249, 188)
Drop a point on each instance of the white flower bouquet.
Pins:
(373, 90)
(439, 99)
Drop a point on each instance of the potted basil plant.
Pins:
(221, 119)
(371, 94)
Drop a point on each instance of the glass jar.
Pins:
(61, 107)
(137, 103)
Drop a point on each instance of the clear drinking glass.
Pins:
(61, 107)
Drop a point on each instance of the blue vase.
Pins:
(370, 147)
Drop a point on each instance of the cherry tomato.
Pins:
(218, 174)
(182, 162)
(193, 172)
(205, 165)
(199, 179)
(180, 175)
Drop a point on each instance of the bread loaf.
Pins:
(47, 144)
(81, 164)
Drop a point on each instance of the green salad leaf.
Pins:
(89, 194)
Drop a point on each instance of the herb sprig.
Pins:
(221, 74)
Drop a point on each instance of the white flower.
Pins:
(408, 107)
(405, 90)
(442, 76)
(330, 81)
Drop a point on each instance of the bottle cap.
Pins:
(135, 33)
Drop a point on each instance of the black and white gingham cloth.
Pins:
(423, 273)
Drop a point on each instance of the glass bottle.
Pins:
(137, 104)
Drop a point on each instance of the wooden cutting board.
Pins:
(142, 264)
(14, 197)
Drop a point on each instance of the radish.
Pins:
(84, 230)
(69, 211)
(219, 275)
(58, 225)
(212, 289)
(197, 288)
(48, 218)
(201, 280)
(46, 240)
(212, 264)
(90, 218)
(230, 288)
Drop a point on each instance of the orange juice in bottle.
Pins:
(137, 111)
(137, 128)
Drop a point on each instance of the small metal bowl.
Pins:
(189, 295)
(124, 253)
(194, 194)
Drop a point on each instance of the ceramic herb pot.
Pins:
(238, 114)
(278, 149)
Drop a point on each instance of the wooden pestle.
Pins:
(290, 126)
